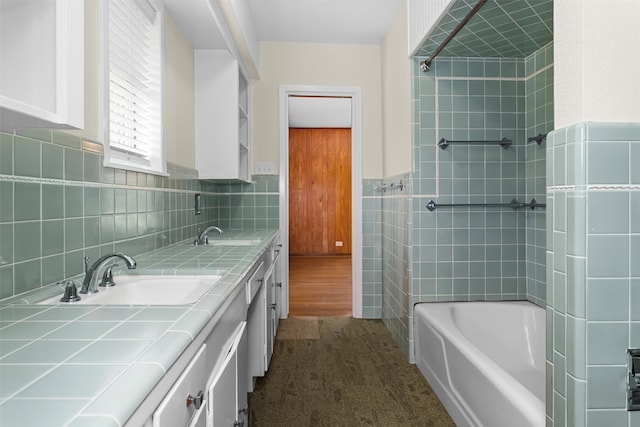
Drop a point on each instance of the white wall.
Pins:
(91, 72)
(179, 103)
(396, 98)
(596, 61)
(316, 64)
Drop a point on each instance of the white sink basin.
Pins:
(240, 242)
(147, 290)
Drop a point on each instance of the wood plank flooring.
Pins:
(320, 285)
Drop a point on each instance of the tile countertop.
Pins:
(92, 365)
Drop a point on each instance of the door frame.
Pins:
(356, 183)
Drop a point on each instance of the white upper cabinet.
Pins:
(222, 116)
(225, 50)
(42, 66)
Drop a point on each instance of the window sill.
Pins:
(135, 169)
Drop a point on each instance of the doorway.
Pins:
(320, 222)
(355, 264)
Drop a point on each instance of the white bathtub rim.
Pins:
(459, 341)
(457, 410)
(535, 408)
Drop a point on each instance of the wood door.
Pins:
(319, 191)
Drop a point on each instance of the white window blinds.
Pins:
(134, 49)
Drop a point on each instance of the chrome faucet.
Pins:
(203, 238)
(89, 283)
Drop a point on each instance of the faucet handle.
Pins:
(107, 277)
(70, 292)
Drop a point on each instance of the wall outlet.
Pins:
(263, 168)
(338, 243)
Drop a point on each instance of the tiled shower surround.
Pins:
(593, 247)
(395, 256)
(59, 204)
(539, 120)
(460, 253)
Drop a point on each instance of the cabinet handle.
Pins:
(278, 284)
(273, 306)
(196, 401)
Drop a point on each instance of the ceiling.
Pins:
(323, 21)
(502, 28)
(505, 28)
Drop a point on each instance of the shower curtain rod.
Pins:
(426, 65)
(514, 204)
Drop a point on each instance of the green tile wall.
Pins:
(593, 297)
(539, 120)
(371, 249)
(59, 204)
(395, 203)
(469, 253)
(512, 29)
(247, 206)
(462, 254)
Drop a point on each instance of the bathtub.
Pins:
(484, 360)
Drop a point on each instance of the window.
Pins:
(132, 120)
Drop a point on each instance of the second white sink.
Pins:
(148, 290)
(239, 242)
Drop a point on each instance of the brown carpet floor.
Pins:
(349, 373)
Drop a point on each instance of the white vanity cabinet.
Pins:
(273, 296)
(42, 66)
(218, 366)
(256, 324)
(227, 386)
(277, 284)
(263, 297)
(186, 401)
(221, 116)
(269, 302)
(209, 383)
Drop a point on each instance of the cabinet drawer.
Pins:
(177, 409)
(254, 283)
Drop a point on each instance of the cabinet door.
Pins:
(222, 394)
(200, 417)
(42, 66)
(270, 310)
(242, 401)
(176, 409)
(277, 278)
(256, 318)
(221, 116)
(224, 387)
